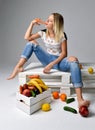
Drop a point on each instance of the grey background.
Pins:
(16, 15)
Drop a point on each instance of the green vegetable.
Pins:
(69, 100)
(33, 93)
(70, 109)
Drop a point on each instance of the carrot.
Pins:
(34, 76)
(40, 21)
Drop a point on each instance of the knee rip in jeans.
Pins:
(72, 58)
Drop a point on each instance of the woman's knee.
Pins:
(72, 58)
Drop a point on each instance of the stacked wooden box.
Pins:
(32, 104)
(87, 78)
(55, 79)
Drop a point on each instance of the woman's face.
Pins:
(50, 22)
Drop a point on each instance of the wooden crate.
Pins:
(32, 104)
(57, 79)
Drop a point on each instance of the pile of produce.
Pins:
(83, 110)
(33, 87)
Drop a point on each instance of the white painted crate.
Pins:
(54, 79)
(32, 104)
(57, 79)
(88, 79)
(85, 73)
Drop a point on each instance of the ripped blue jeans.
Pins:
(45, 58)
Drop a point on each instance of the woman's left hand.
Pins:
(48, 68)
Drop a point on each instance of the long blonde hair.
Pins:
(58, 26)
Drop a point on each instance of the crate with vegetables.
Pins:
(32, 94)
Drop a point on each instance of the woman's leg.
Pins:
(29, 49)
(77, 81)
(71, 64)
(18, 68)
(27, 52)
(80, 99)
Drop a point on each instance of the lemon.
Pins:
(90, 70)
(46, 107)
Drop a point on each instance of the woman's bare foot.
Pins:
(15, 72)
(84, 103)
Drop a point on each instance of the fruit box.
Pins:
(32, 104)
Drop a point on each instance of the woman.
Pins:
(55, 57)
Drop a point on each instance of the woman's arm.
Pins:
(28, 35)
(63, 55)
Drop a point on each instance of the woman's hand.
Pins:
(28, 35)
(35, 21)
(48, 68)
(38, 21)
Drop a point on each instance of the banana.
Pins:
(41, 83)
(38, 80)
(45, 87)
(32, 82)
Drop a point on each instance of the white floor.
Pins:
(12, 118)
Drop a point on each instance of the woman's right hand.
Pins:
(35, 21)
(38, 21)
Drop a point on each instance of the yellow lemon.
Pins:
(46, 107)
(90, 70)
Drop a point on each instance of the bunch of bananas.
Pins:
(38, 83)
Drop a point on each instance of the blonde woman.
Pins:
(55, 55)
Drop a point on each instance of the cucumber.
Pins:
(70, 109)
(33, 93)
(69, 100)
